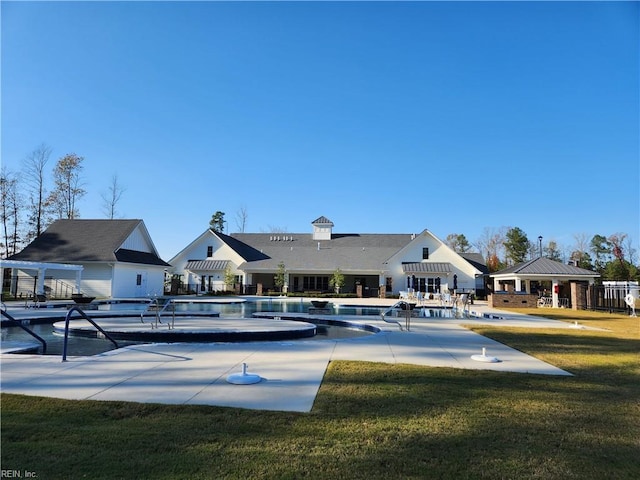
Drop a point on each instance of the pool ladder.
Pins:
(154, 305)
(88, 319)
(394, 306)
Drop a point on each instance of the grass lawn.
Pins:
(371, 421)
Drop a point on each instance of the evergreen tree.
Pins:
(217, 222)
(458, 242)
(516, 245)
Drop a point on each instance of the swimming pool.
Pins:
(335, 322)
(89, 342)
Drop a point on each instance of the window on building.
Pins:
(315, 283)
(139, 279)
(209, 251)
(425, 253)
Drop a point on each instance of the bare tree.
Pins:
(276, 229)
(491, 246)
(68, 187)
(112, 197)
(241, 219)
(9, 212)
(33, 173)
(631, 252)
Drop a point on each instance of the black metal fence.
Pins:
(23, 287)
(602, 297)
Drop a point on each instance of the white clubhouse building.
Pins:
(372, 264)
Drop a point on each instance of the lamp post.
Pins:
(540, 244)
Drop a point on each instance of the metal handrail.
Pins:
(87, 318)
(159, 311)
(28, 330)
(153, 301)
(395, 305)
(170, 302)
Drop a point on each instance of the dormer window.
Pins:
(209, 251)
(425, 253)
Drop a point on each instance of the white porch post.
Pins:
(496, 285)
(78, 280)
(40, 282)
(518, 284)
(555, 285)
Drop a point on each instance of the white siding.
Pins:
(197, 250)
(96, 280)
(438, 252)
(125, 281)
(137, 241)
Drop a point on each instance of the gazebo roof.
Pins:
(546, 268)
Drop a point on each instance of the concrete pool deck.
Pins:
(292, 372)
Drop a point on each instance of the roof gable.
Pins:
(79, 241)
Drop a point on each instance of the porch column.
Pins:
(40, 282)
(518, 284)
(78, 280)
(555, 286)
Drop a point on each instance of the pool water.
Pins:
(78, 345)
(325, 330)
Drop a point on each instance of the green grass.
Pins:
(370, 421)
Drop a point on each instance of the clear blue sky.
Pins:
(384, 117)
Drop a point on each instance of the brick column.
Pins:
(578, 296)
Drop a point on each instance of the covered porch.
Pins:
(543, 282)
(37, 271)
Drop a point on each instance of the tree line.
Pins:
(612, 256)
(32, 198)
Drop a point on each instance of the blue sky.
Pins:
(384, 117)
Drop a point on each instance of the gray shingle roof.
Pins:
(477, 260)
(80, 241)
(545, 266)
(363, 252)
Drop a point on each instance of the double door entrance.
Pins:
(424, 284)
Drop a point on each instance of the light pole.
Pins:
(540, 244)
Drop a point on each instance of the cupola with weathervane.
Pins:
(322, 228)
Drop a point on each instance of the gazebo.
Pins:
(545, 279)
(40, 268)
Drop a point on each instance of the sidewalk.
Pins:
(195, 373)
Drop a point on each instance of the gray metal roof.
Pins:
(322, 221)
(82, 241)
(427, 267)
(207, 265)
(545, 266)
